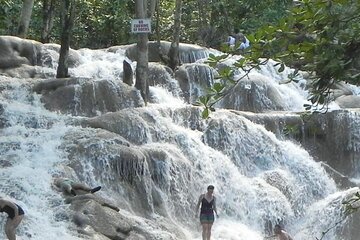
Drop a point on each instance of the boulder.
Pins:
(348, 101)
(194, 79)
(340, 89)
(255, 95)
(15, 51)
(50, 53)
(128, 76)
(90, 210)
(86, 97)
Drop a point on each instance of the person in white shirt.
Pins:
(231, 41)
(244, 44)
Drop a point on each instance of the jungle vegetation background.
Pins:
(104, 23)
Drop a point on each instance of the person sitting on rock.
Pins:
(230, 42)
(70, 187)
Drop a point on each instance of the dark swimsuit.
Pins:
(207, 211)
(10, 211)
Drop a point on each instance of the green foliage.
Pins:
(102, 23)
(320, 37)
(166, 20)
(9, 12)
(255, 14)
(291, 130)
(98, 23)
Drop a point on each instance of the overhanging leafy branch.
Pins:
(319, 37)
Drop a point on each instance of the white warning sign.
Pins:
(141, 26)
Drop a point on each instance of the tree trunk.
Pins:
(151, 8)
(174, 49)
(142, 66)
(157, 25)
(67, 20)
(163, 56)
(48, 20)
(25, 18)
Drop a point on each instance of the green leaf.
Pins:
(218, 87)
(205, 113)
(204, 100)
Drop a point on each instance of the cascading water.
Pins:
(29, 155)
(258, 178)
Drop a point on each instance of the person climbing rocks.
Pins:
(15, 215)
(70, 187)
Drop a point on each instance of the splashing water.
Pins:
(29, 155)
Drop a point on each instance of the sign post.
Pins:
(141, 26)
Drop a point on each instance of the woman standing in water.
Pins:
(15, 215)
(208, 207)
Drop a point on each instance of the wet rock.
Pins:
(85, 97)
(90, 211)
(128, 75)
(348, 101)
(15, 51)
(194, 80)
(255, 95)
(50, 55)
(188, 53)
(5, 163)
(278, 179)
(342, 181)
(340, 89)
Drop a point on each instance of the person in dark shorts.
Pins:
(207, 201)
(15, 215)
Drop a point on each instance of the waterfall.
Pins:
(155, 161)
(29, 156)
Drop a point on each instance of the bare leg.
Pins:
(80, 186)
(11, 225)
(204, 227)
(209, 231)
